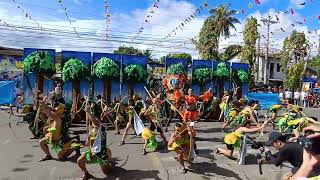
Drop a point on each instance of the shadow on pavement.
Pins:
(209, 130)
(17, 169)
(209, 139)
(205, 167)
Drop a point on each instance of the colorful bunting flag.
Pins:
(277, 18)
(250, 5)
(292, 11)
(257, 2)
(282, 30)
(242, 11)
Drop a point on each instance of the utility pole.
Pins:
(258, 58)
(267, 21)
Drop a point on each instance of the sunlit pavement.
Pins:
(19, 158)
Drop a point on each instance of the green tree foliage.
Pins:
(292, 59)
(216, 26)
(128, 51)
(230, 52)
(293, 50)
(293, 78)
(222, 71)
(177, 69)
(134, 73)
(39, 62)
(202, 75)
(315, 63)
(74, 69)
(241, 76)
(105, 69)
(250, 37)
(180, 56)
(208, 41)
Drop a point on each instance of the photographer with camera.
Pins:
(288, 152)
(311, 154)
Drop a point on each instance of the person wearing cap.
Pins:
(233, 140)
(287, 152)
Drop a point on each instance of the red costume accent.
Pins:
(190, 115)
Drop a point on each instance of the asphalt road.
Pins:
(19, 158)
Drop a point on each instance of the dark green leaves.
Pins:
(202, 75)
(39, 62)
(74, 69)
(222, 71)
(134, 73)
(177, 69)
(106, 69)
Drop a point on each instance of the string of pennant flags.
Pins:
(149, 15)
(28, 15)
(8, 25)
(107, 16)
(186, 21)
(68, 17)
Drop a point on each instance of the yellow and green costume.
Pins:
(234, 139)
(179, 143)
(150, 138)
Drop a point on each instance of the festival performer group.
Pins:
(51, 123)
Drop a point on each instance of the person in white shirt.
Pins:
(303, 98)
(288, 95)
(281, 96)
(296, 96)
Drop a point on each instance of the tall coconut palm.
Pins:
(223, 19)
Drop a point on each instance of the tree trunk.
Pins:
(202, 88)
(239, 93)
(39, 90)
(130, 90)
(107, 90)
(221, 87)
(75, 95)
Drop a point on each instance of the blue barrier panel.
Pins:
(85, 58)
(238, 66)
(226, 83)
(115, 84)
(137, 88)
(265, 99)
(200, 64)
(30, 79)
(7, 92)
(170, 61)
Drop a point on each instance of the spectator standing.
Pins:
(281, 96)
(303, 97)
(296, 96)
(288, 95)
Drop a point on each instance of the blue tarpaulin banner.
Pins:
(266, 100)
(7, 92)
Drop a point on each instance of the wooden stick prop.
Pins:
(148, 92)
(87, 116)
(174, 107)
(104, 113)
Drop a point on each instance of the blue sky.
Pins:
(127, 16)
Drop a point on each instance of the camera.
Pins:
(310, 145)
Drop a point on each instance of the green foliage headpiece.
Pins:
(39, 62)
(74, 69)
(134, 73)
(106, 68)
(202, 75)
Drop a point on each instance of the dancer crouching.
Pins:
(181, 144)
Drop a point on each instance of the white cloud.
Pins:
(125, 26)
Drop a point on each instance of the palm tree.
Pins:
(223, 20)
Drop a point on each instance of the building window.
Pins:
(278, 67)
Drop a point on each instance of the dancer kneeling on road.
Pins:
(181, 144)
(98, 153)
(56, 132)
(234, 139)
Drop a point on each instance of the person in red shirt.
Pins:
(191, 113)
